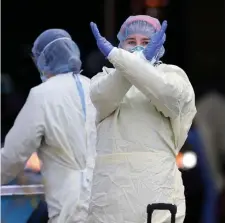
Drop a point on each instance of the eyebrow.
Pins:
(131, 38)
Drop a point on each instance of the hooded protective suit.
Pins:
(144, 113)
(52, 122)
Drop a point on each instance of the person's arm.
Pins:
(23, 139)
(107, 91)
(167, 88)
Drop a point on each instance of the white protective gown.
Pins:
(52, 123)
(144, 115)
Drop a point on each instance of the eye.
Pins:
(145, 43)
(131, 42)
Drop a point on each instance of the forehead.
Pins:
(137, 37)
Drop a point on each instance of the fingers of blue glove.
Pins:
(95, 31)
(154, 39)
(161, 41)
(158, 38)
(163, 29)
(103, 40)
(164, 26)
(164, 38)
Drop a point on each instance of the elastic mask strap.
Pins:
(81, 94)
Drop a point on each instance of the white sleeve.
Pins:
(107, 91)
(23, 139)
(167, 89)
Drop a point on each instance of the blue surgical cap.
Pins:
(55, 52)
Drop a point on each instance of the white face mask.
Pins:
(141, 55)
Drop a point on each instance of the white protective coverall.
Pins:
(52, 123)
(144, 114)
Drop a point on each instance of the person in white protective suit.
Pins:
(57, 121)
(144, 111)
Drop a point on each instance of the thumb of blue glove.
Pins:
(104, 46)
(155, 43)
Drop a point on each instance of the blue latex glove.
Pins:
(156, 43)
(104, 46)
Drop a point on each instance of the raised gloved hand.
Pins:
(104, 46)
(157, 41)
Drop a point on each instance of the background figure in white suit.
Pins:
(57, 121)
(144, 111)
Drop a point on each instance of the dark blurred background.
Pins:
(195, 42)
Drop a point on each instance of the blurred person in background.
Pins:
(144, 111)
(11, 101)
(6, 84)
(210, 123)
(57, 122)
(94, 63)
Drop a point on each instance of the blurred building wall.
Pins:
(204, 58)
